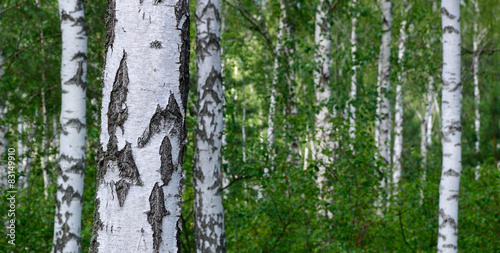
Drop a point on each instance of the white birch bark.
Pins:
(477, 95)
(45, 144)
(323, 92)
(451, 128)
(3, 143)
(20, 152)
(208, 209)
(383, 119)
(398, 126)
(384, 104)
(354, 78)
(67, 225)
(143, 131)
(274, 92)
(243, 131)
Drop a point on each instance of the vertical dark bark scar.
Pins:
(167, 165)
(110, 20)
(156, 214)
(97, 226)
(182, 17)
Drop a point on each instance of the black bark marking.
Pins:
(155, 44)
(121, 188)
(169, 119)
(209, 39)
(102, 161)
(127, 166)
(117, 109)
(64, 236)
(445, 12)
(178, 234)
(65, 16)
(69, 194)
(450, 246)
(110, 20)
(167, 166)
(214, 79)
(77, 79)
(450, 29)
(451, 172)
(96, 227)
(78, 168)
(156, 2)
(454, 196)
(76, 123)
(80, 21)
(79, 55)
(156, 214)
(182, 11)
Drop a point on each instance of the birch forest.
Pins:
(215, 126)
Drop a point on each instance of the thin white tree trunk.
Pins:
(274, 92)
(383, 120)
(398, 127)
(45, 145)
(451, 129)
(323, 92)
(384, 105)
(143, 128)
(354, 78)
(20, 152)
(243, 131)
(67, 225)
(477, 95)
(3, 144)
(426, 130)
(208, 209)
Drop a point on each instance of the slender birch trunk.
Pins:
(451, 129)
(243, 131)
(45, 144)
(426, 129)
(384, 104)
(208, 209)
(20, 152)
(274, 92)
(398, 127)
(323, 92)
(3, 143)
(67, 225)
(354, 78)
(143, 128)
(477, 95)
(383, 119)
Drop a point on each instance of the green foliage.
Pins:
(272, 203)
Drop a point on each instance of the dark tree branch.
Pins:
(11, 7)
(26, 47)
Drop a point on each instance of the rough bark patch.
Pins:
(182, 17)
(167, 166)
(97, 226)
(169, 119)
(156, 214)
(110, 20)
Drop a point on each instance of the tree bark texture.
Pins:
(208, 209)
(354, 78)
(451, 128)
(67, 224)
(398, 126)
(323, 125)
(143, 128)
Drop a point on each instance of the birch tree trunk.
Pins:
(384, 104)
(45, 144)
(354, 79)
(477, 95)
(67, 224)
(208, 209)
(274, 93)
(323, 92)
(451, 128)
(383, 119)
(398, 127)
(143, 129)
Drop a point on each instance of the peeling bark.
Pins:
(451, 128)
(143, 128)
(208, 210)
